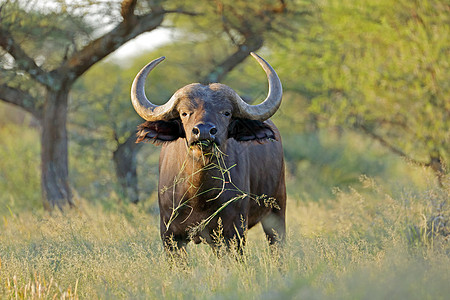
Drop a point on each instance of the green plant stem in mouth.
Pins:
(204, 144)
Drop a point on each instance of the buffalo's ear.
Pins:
(159, 132)
(250, 130)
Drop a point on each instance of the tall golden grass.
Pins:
(375, 240)
(359, 247)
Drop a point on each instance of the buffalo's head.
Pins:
(205, 115)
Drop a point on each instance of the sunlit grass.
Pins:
(357, 247)
(369, 239)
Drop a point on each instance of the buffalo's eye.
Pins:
(227, 114)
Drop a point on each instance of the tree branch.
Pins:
(23, 61)
(218, 73)
(251, 38)
(98, 49)
(391, 147)
(131, 26)
(182, 12)
(19, 98)
(127, 8)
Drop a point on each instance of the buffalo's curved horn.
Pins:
(147, 110)
(272, 102)
(152, 112)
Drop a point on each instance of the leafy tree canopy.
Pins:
(380, 67)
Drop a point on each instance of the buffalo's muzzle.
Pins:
(204, 131)
(204, 135)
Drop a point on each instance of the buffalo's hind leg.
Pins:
(274, 226)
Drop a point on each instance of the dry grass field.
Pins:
(371, 241)
(358, 248)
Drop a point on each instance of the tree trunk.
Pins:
(54, 153)
(124, 158)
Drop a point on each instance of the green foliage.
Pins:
(100, 108)
(382, 67)
(46, 33)
(238, 20)
(19, 166)
(315, 161)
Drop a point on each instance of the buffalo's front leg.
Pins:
(174, 243)
(235, 234)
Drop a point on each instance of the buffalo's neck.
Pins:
(205, 177)
(185, 177)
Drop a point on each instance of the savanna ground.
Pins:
(373, 239)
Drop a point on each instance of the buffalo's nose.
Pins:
(204, 131)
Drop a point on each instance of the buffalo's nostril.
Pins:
(204, 131)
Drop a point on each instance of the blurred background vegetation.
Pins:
(365, 122)
(366, 90)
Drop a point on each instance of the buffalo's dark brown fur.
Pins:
(191, 186)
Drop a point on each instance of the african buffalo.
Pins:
(221, 166)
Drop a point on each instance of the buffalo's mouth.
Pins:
(204, 145)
